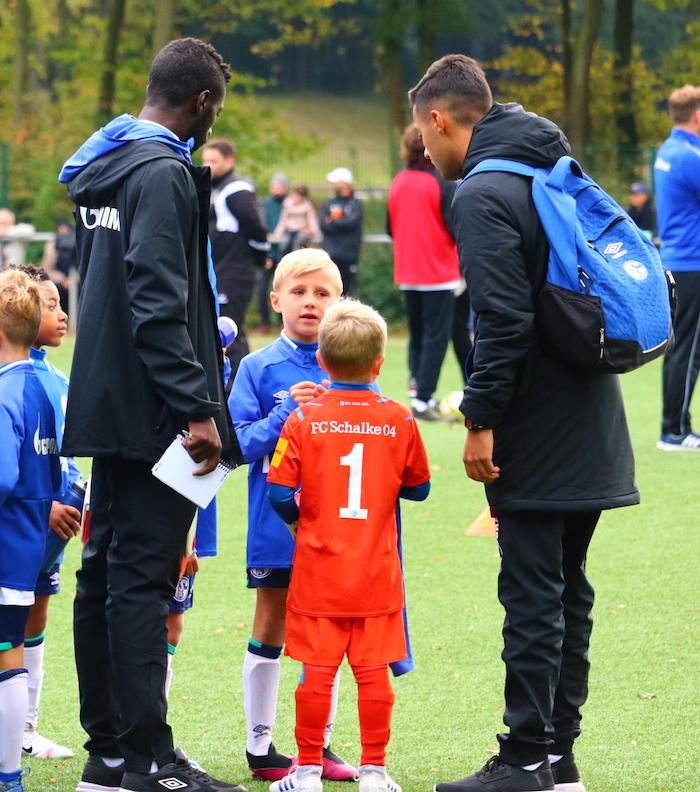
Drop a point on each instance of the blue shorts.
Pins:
(48, 583)
(183, 599)
(13, 620)
(269, 578)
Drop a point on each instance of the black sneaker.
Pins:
(566, 775)
(177, 776)
(497, 776)
(272, 766)
(431, 413)
(97, 777)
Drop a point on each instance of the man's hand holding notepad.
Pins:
(197, 481)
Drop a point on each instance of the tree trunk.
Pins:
(390, 33)
(165, 24)
(115, 23)
(566, 49)
(21, 76)
(577, 116)
(623, 37)
(426, 30)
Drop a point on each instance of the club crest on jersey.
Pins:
(182, 590)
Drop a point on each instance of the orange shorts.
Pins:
(325, 640)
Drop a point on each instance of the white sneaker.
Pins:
(374, 778)
(308, 780)
(39, 747)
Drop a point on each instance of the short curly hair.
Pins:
(184, 68)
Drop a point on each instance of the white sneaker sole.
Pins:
(674, 447)
(574, 786)
(86, 786)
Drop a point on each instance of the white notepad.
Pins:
(175, 469)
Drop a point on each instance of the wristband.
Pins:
(472, 426)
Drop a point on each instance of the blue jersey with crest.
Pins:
(30, 474)
(259, 405)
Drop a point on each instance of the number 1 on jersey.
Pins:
(353, 460)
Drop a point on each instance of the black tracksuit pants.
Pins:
(429, 316)
(547, 598)
(129, 572)
(235, 306)
(682, 361)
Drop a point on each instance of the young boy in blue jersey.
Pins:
(270, 383)
(29, 475)
(64, 518)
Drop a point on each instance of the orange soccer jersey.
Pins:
(351, 450)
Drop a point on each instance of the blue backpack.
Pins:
(607, 302)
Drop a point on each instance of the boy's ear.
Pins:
(275, 302)
(319, 359)
(377, 365)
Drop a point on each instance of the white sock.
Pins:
(169, 675)
(154, 767)
(13, 714)
(534, 766)
(368, 768)
(34, 663)
(553, 758)
(334, 710)
(112, 762)
(307, 770)
(261, 678)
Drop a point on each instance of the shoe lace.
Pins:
(16, 784)
(493, 764)
(195, 773)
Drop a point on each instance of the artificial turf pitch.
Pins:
(639, 725)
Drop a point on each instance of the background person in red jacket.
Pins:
(426, 266)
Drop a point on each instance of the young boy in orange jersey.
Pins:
(353, 453)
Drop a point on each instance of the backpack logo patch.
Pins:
(636, 270)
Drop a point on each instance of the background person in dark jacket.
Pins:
(238, 240)
(641, 209)
(550, 442)
(147, 365)
(341, 225)
(272, 207)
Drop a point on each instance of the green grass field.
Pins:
(640, 720)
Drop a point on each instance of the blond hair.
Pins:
(304, 260)
(683, 102)
(20, 308)
(351, 336)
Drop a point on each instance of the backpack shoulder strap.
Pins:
(503, 166)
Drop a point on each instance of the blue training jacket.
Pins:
(55, 384)
(259, 405)
(30, 474)
(677, 182)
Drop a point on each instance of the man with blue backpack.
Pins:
(547, 432)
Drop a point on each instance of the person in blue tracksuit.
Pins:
(30, 474)
(269, 384)
(677, 179)
(64, 518)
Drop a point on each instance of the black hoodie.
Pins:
(561, 437)
(147, 355)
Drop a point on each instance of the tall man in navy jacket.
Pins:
(677, 177)
(549, 442)
(147, 365)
